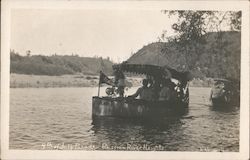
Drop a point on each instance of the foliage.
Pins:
(192, 25)
(191, 38)
(57, 65)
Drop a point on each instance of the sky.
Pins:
(87, 32)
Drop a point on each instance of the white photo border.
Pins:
(8, 5)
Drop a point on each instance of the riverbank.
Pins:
(42, 81)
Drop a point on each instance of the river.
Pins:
(60, 118)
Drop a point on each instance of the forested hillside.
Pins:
(58, 65)
(217, 56)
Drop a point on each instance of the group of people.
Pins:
(154, 90)
(151, 89)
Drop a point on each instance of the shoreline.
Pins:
(44, 81)
(72, 81)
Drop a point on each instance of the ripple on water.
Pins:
(63, 115)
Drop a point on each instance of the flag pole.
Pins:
(99, 85)
(102, 67)
(99, 89)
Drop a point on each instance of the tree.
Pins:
(191, 28)
(192, 25)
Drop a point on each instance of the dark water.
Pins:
(60, 118)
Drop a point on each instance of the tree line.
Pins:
(57, 64)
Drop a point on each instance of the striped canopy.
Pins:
(154, 71)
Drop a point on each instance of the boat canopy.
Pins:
(154, 71)
(231, 82)
(222, 80)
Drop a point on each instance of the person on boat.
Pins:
(165, 92)
(150, 90)
(150, 82)
(173, 92)
(218, 92)
(119, 81)
(153, 89)
(143, 92)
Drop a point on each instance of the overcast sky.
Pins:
(102, 32)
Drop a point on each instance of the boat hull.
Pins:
(122, 107)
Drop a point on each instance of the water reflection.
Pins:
(224, 108)
(138, 134)
(203, 128)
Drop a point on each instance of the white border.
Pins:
(171, 5)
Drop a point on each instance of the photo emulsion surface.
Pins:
(125, 80)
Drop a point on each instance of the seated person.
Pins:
(173, 92)
(149, 92)
(156, 87)
(218, 90)
(153, 89)
(143, 92)
(165, 92)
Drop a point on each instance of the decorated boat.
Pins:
(122, 106)
(225, 93)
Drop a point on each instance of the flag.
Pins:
(105, 79)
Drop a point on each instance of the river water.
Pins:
(60, 118)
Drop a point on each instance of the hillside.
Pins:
(58, 65)
(212, 58)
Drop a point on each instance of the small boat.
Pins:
(131, 107)
(225, 93)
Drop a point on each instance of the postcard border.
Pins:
(194, 5)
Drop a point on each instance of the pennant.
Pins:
(105, 79)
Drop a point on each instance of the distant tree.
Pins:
(14, 56)
(28, 52)
(108, 58)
